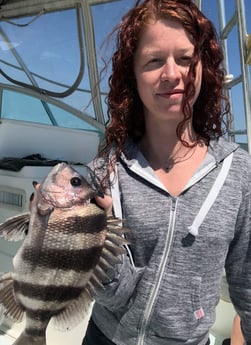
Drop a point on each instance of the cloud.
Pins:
(5, 46)
(49, 55)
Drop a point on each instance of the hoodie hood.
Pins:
(218, 148)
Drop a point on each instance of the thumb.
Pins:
(104, 202)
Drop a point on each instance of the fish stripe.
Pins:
(76, 224)
(78, 260)
(53, 276)
(42, 315)
(47, 293)
(36, 304)
(71, 241)
(35, 332)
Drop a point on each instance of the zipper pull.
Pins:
(174, 200)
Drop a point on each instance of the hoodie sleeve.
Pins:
(238, 263)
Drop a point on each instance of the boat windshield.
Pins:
(52, 59)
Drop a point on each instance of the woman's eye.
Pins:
(185, 60)
(156, 62)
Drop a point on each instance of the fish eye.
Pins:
(75, 181)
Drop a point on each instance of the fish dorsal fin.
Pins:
(12, 310)
(110, 255)
(72, 315)
(15, 228)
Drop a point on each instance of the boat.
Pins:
(52, 107)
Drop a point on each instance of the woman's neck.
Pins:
(163, 149)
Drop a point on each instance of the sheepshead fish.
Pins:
(69, 245)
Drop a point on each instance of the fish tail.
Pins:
(26, 339)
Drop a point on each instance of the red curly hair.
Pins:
(125, 109)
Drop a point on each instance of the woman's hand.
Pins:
(105, 202)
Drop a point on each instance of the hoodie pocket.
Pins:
(177, 310)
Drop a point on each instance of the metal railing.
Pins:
(238, 20)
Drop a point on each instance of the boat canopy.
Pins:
(52, 69)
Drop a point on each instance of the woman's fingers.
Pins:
(104, 202)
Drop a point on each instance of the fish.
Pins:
(70, 244)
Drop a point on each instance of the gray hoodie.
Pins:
(166, 289)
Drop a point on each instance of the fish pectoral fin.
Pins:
(15, 228)
(12, 310)
(76, 311)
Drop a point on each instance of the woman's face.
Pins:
(161, 66)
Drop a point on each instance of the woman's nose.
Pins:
(170, 72)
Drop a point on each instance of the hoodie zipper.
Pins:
(161, 270)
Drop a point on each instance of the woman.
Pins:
(183, 190)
